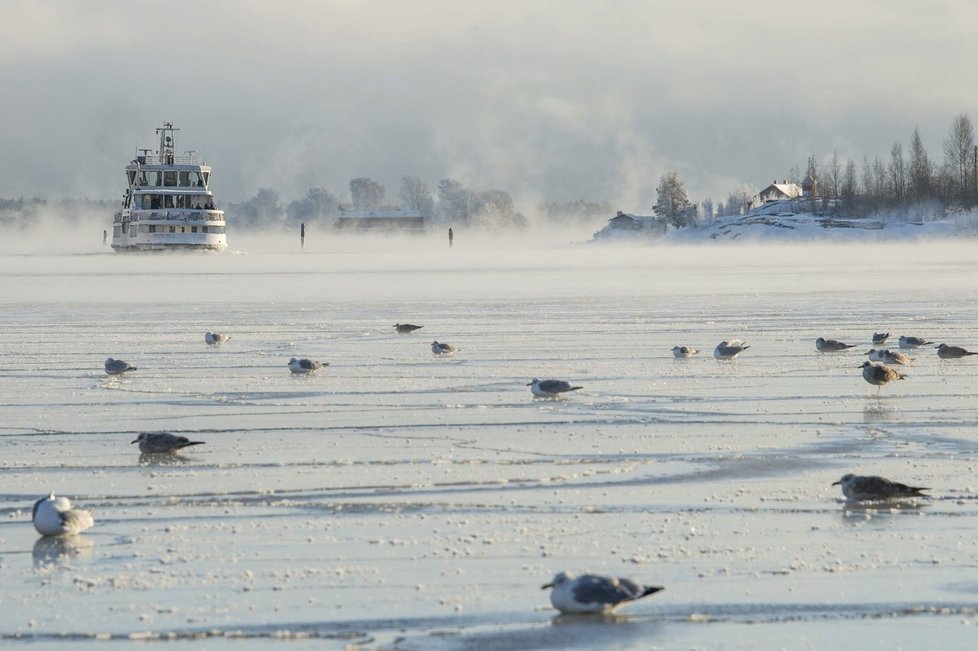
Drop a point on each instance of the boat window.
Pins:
(207, 177)
(184, 179)
(116, 231)
(203, 229)
(181, 201)
(152, 228)
(183, 229)
(168, 201)
(195, 180)
(152, 178)
(216, 229)
(193, 229)
(156, 202)
(173, 229)
(170, 179)
(142, 179)
(132, 177)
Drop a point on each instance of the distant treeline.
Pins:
(907, 182)
(450, 203)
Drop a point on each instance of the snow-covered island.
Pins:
(792, 219)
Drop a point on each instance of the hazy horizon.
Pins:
(549, 101)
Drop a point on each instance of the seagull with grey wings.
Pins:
(304, 366)
(913, 342)
(591, 593)
(406, 328)
(215, 338)
(879, 338)
(442, 349)
(953, 352)
(729, 349)
(870, 488)
(117, 366)
(163, 442)
(888, 356)
(53, 516)
(550, 388)
(824, 345)
(683, 351)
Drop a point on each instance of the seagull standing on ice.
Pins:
(913, 342)
(117, 366)
(439, 348)
(162, 442)
(53, 516)
(868, 488)
(550, 388)
(888, 356)
(879, 374)
(683, 351)
(302, 366)
(952, 352)
(729, 349)
(215, 338)
(590, 593)
(823, 345)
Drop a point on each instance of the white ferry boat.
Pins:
(168, 204)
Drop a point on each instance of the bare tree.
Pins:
(850, 186)
(921, 180)
(707, 212)
(958, 148)
(897, 174)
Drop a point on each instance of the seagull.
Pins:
(215, 339)
(952, 352)
(443, 349)
(683, 351)
(550, 388)
(870, 488)
(162, 442)
(117, 366)
(831, 345)
(888, 356)
(913, 342)
(879, 374)
(879, 338)
(406, 328)
(304, 365)
(590, 593)
(729, 349)
(53, 516)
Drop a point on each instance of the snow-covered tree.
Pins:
(366, 194)
(317, 204)
(415, 195)
(672, 201)
(921, 177)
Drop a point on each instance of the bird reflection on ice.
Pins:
(876, 410)
(59, 550)
(163, 459)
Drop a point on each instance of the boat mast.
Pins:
(166, 134)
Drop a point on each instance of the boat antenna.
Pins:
(166, 134)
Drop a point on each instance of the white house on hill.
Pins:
(779, 191)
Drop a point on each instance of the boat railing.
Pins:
(177, 214)
(156, 159)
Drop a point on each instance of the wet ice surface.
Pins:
(400, 500)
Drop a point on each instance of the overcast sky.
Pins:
(557, 100)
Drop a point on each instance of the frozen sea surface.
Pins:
(397, 500)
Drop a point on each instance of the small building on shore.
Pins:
(382, 221)
(779, 191)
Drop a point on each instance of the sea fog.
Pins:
(396, 500)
